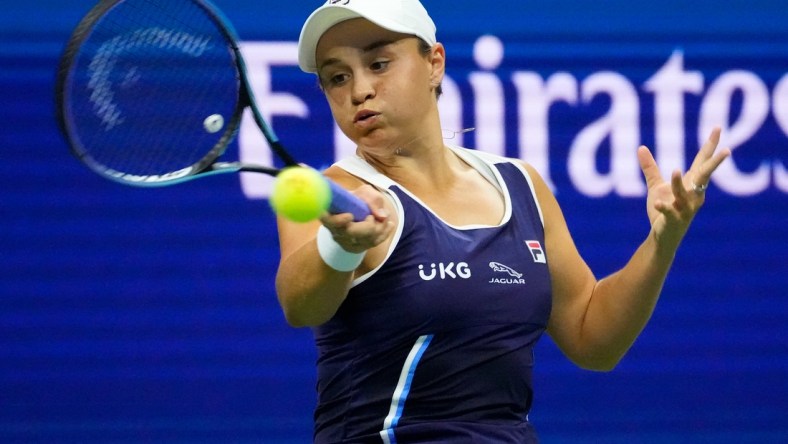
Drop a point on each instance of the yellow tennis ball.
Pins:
(300, 194)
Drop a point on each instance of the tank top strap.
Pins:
(360, 168)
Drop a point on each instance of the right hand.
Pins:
(357, 237)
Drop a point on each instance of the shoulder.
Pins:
(354, 171)
(342, 177)
(531, 174)
(480, 155)
(490, 158)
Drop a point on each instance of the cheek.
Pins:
(336, 105)
(341, 116)
(414, 83)
(407, 96)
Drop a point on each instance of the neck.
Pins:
(420, 143)
(420, 167)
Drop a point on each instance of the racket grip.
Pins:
(343, 201)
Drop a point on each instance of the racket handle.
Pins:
(343, 201)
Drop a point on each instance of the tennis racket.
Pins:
(151, 93)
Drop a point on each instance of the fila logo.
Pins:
(536, 251)
(461, 270)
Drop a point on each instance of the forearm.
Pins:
(595, 322)
(309, 291)
(320, 260)
(622, 303)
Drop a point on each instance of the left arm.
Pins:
(594, 322)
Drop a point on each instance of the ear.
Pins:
(438, 64)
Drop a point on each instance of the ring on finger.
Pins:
(699, 189)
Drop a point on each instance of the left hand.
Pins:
(671, 206)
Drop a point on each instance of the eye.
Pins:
(337, 79)
(379, 65)
(334, 79)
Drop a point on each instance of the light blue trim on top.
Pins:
(403, 389)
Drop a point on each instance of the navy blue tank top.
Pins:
(436, 344)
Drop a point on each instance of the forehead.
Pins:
(358, 34)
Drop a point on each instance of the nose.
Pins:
(363, 88)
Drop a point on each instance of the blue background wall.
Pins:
(132, 315)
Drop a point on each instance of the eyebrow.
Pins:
(367, 49)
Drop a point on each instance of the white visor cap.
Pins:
(403, 16)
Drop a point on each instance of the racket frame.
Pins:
(208, 164)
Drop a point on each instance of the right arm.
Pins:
(309, 291)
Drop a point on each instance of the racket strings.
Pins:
(154, 89)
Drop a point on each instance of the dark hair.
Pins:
(425, 49)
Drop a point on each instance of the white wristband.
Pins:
(334, 255)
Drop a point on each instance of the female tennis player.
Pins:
(425, 314)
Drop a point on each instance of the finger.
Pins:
(379, 211)
(335, 222)
(384, 232)
(365, 234)
(374, 200)
(677, 184)
(707, 150)
(680, 193)
(711, 143)
(708, 168)
(672, 209)
(649, 167)
(667, 210)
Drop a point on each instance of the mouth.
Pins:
(363, 116)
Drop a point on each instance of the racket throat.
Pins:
(234, 167)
